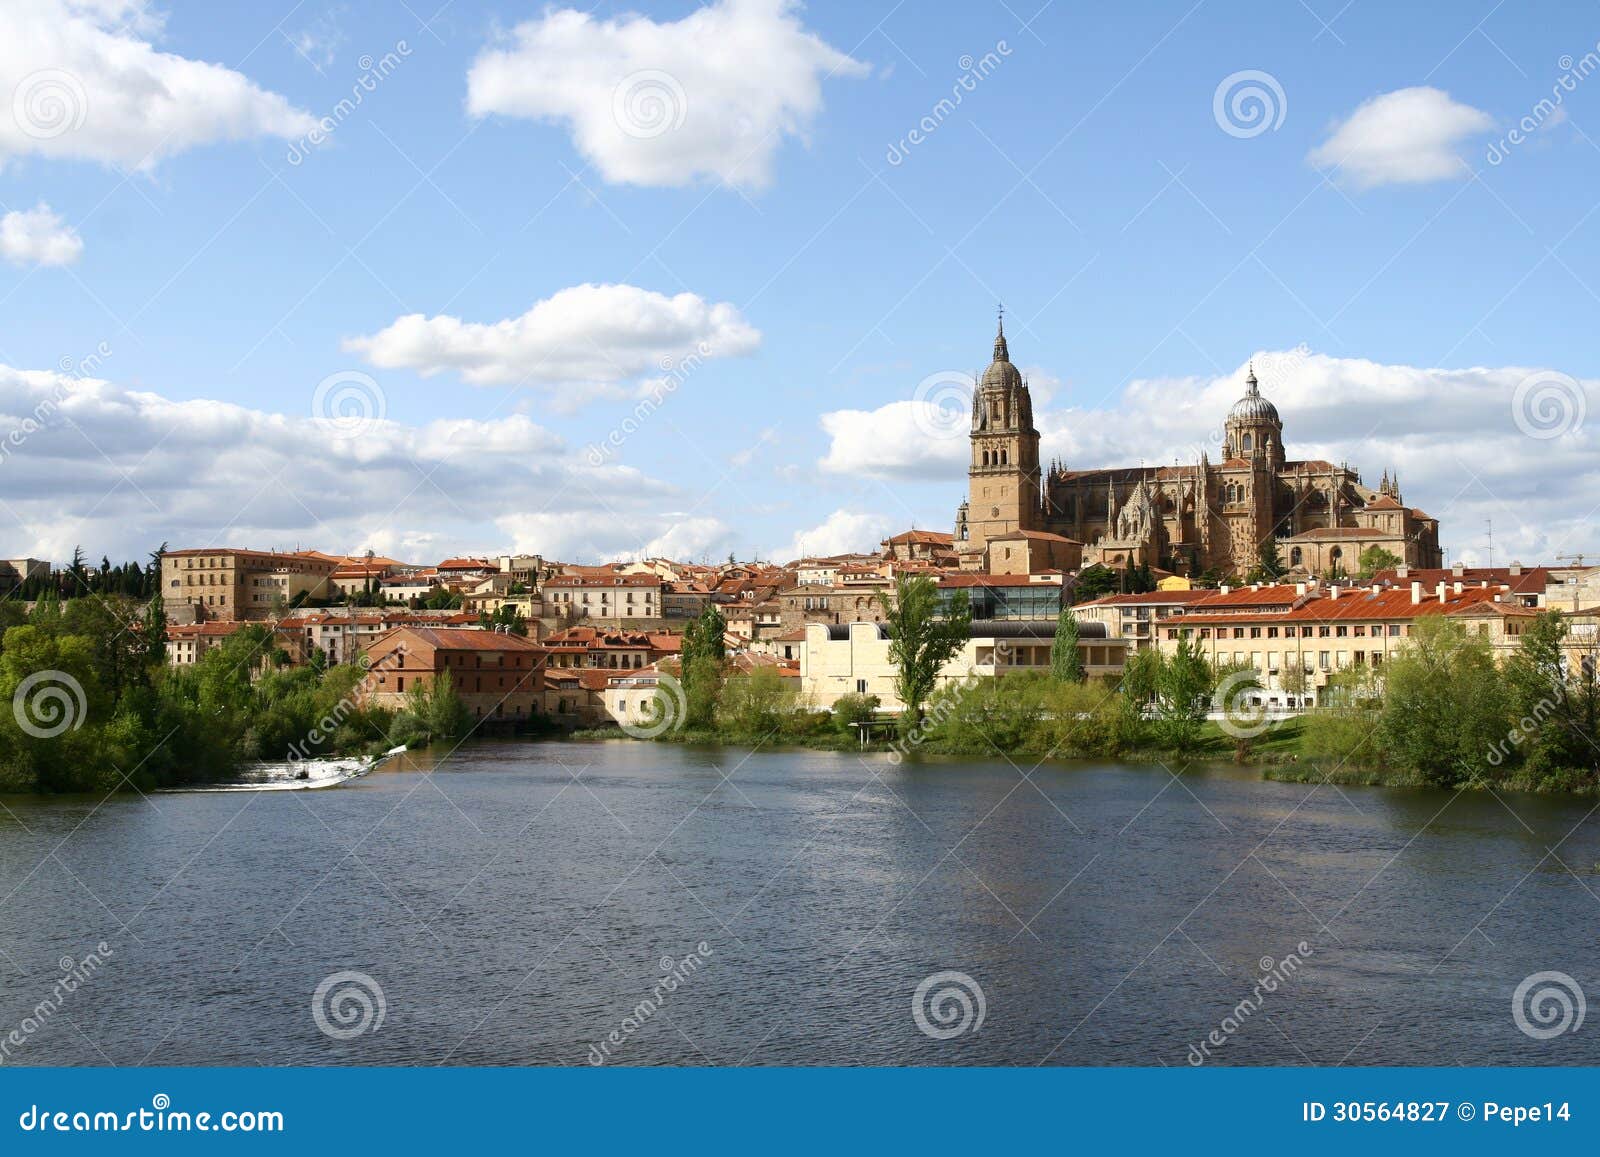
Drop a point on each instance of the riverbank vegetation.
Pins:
(91, 705)
(1442, 712)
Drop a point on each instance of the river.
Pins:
(566, 903)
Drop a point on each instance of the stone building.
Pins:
(222, 584)
(1186, 518)
(498, 677)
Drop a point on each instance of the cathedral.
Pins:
(1189, 519)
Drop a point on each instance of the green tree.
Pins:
(1095, 582)
(508, 616)
(702, 658)
(1445, 705)
(923, 637)
(1183, 685)
(1374, 559)
(1554, 705)
(1066, 664)
(1269, 566)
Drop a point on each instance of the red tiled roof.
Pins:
(1340, 532)
(991, 580)
(1532, 580)
(1358, 605)
(1150, 598)
(453, 639)
(1279, 594)
(934, 537)
(606, 580)
(1036, 535)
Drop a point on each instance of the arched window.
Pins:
(1335, 555)
(1246, 443)
(1294, 556)
(1005, 457)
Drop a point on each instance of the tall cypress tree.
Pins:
(1066, 665)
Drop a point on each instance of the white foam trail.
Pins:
(300, 775)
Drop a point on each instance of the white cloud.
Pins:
(1453, 435)
(843, 532)
(82, 80)
(1410, 136)
(589, 335)
(711, 95)
(38, 237)
(893, 441)
(119, 471)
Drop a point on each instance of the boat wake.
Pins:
(297, 775)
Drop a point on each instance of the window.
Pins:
(861, 686)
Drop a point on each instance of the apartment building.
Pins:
(499, 677)
(610, 598)
(1133, 617)
(1296, 648)
(225, 584)
(853, 658)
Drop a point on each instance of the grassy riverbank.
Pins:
(1284, 752)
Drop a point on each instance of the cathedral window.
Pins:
(1246, 443)
(1294, 556)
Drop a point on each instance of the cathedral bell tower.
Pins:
(1003, 477)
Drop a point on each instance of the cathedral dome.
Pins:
(1001, 373)
(1253, 407)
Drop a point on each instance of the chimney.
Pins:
(1402, 571)
(1458, 586)
(1458, 570)
(1377, 588)
(1516, 568)
(1333, 591)
(1255, 586)
(1299, 588)
(1224, 589)
(1440, 591)
(1416, 593)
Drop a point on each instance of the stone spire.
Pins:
(1001, 354)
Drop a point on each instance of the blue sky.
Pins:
(1404, 287)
